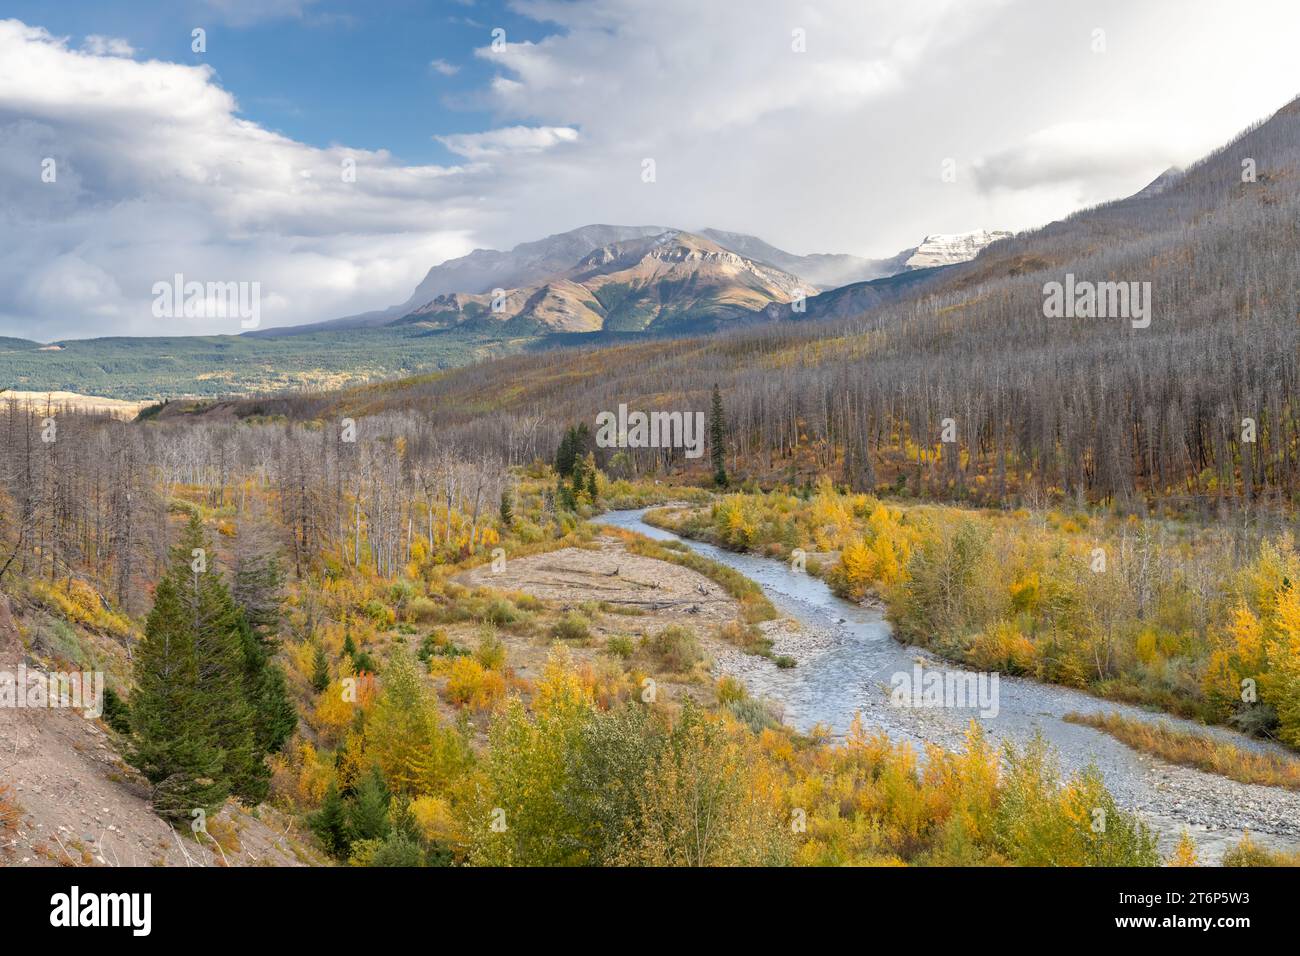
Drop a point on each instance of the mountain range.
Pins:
(609, 278)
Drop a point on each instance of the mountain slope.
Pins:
(675, 279)
(483, 270)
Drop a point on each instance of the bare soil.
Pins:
(81, 805)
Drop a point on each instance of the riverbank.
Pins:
(849, 659)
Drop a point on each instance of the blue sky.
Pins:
(320, 72)
(226, 166)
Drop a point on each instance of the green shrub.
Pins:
(620, 646)
(675, 648)
(571, 627)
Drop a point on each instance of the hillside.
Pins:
(1093, 407)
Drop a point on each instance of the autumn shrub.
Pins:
(471, 684)
(730, 690)
(10, 812)
(620, 645)
(1246, 852)
(422, 609)
(571, 627)
(674, 648)
(491, 651)
(503, 613)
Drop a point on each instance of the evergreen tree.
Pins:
(193, 725)
(256, 588)
(507, 509)
(718, 439)
(173, 743)
(330, 823)
(565, 455)
(320, 669)
(578, 480)
(274, 716)
(368, 809)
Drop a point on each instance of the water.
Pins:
(852, 673)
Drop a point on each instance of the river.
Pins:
(851, 668)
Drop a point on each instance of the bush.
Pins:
(620, 646)
(470, 683)
(491, 652)
(1250, 853)
(754, 714)
(675, 648)
(502, 613)
(571, 627)
(421, 609)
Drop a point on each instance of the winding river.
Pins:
(849, 666)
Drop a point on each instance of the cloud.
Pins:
(1076, 152)
(443, 67)
(97, 45)
(154, 172)
(819, 127)
(510, 139)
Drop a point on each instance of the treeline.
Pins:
(88, 497)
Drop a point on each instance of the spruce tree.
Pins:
(507, 509)
(368, 810)
(330, 823)
(320, 669)
(718, 439)
(193, 725)
(565, 454)
(173, 743)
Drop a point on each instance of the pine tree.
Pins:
(274, 716)
(173, 743)
(368, 810)
(507, 509)
(193, 725)
(320, 670)
(330, 823)
(718, 439)
(349, 645)
(565, 454)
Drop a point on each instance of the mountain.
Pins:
(947, 250)
(674, 279)
(825, 270)
(483, 270)
(463, 286)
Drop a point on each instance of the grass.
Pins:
(1196, 750)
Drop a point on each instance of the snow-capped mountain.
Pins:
(949, 249)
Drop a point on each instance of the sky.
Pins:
(332, 152)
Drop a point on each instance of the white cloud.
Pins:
(443, 67)
(510, 139)
(97, 45)
(835, 149)
(156, 174)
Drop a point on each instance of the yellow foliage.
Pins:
(470, 684)
(1185, 852)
